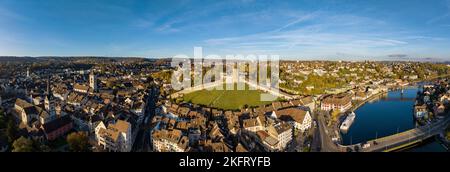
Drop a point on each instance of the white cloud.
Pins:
(319, 38)
(299, 19)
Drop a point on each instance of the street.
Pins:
(142, 142)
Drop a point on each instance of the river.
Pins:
(386, 116)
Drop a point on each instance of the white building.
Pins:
(298, 118)
(276, 137)
(341, 102)
(138, 108)
(28, 112)
(116, 137)
(252, 125)
(420, 111)
(284, 135)
(169, 141)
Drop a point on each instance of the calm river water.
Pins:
(386, 116)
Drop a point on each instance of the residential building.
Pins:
(81, 88)
(361, 95)
(252, 125)
(420, 111)
(115, 137)
(169, 141)
(341, 102)
(57, 127)
(300, 119)
(28, 113)
(275, 137)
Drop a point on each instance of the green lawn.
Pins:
(226, 99)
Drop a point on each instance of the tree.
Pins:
(44, 148)
(431, 115)
(23, 144)
(447, 136)
(11, 131)
(41, 147)
(306, 149)
(447, 133)
(335, 115)
(3, 121)
(178, 100)
(78, 141)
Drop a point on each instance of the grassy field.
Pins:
(226, 99)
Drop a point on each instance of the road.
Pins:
(326, 144)
(142, 142)
(316, 144)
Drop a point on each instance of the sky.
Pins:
(297, 29)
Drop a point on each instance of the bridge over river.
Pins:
(400, 140)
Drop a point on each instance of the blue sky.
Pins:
(310, 29)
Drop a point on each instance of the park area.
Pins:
(226, 99)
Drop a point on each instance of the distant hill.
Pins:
(17, 59)
(72, 59)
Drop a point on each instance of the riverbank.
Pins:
(371, 98)
(386, 114)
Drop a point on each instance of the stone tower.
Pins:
(47, 92)
(93, 81)
(48, 102)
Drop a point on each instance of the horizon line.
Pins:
(281, 58)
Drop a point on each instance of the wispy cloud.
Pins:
(438, 18)
(142, 23)
(291, 28)
(221, 14)
(168, 27)
(299, 19)
(322, 36)
(444, 16)
(7, 14)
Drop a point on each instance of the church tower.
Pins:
(48, 101)
(93, 81)
(48, 86)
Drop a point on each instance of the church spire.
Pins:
(48, 92)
